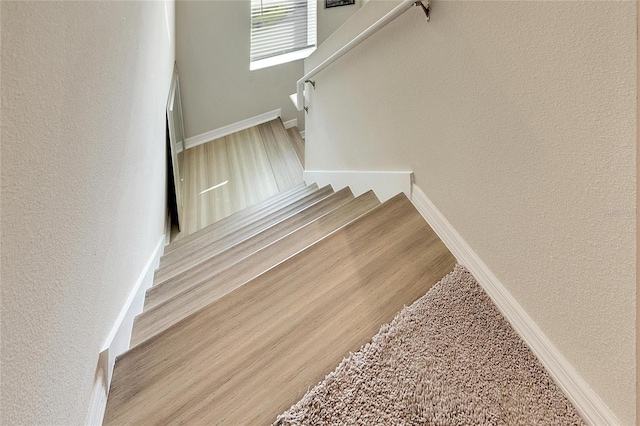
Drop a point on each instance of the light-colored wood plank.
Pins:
(239, 160)
(238, 219)
(191, 187)
(286, 166)
(181, 260)
(217, 203)
(247, 246)
(207, 291)
(239, 163)
(251, 177)
(251, 354)
(210, 244)
(297, 142)
(205, 167)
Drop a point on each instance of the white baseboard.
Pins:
(302, 133)
(231, 128)
(100, 391)
(118, 340)
(290, 123)
(385, 184)
(589, 405)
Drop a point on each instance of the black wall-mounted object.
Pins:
(336, 3)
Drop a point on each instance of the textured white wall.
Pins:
(213, 41)
(84, 87)
(519, 121)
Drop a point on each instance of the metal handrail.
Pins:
(390, 16)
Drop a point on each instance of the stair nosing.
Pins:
(304, 202)
(257, 215)
(263, 205)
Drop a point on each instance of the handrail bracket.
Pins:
(313, 83)
(426, 7)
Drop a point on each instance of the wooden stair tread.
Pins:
(204, 249)
(250, 220)
(251, 354)
(204, 270)
(285, 164)
(184, 303)
(231, 221)
(298, 143)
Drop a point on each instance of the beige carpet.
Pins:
(448, 359)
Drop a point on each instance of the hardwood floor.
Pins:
(236, 220)
(253, 352)
(248, 312)
(228, 174)
(176, 300)
(244, 247)
(181, 260)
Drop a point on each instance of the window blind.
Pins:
(279, 27)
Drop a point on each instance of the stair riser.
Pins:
(201, 252)
(229, 223)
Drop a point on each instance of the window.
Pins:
(281, 31)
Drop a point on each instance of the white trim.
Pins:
(118, 340)
(294, 100)
(290, 123)
(281, 59)
(231, 128)
(385, 184)
(588, 404)
(302, 133)
(100, 392)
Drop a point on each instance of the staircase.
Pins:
(247, 314)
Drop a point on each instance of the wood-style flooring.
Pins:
(228, 174)
(250, 354)
(187, 293)
(179, 261)
(276, 282)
